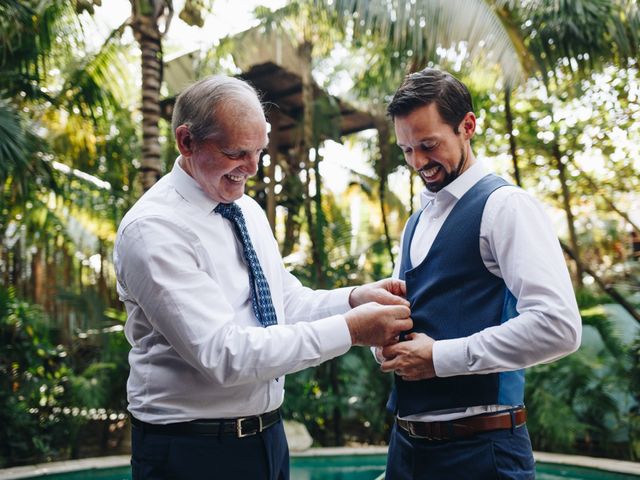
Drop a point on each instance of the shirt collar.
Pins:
(189, 189)
(456, 189)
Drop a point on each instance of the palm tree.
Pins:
(56, 132)
(150, 20)
(586, 32)
(523, 39)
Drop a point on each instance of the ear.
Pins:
(184, 141)
(468, 125)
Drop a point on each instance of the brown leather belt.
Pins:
(464, 427)
(237, 427)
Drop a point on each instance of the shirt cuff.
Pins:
(450, 357)
(334, 336)
(375, 355)
(340, 300)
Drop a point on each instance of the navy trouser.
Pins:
(496, 455)
(201, 457)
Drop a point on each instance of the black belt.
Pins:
(464, 427)
(238, 427)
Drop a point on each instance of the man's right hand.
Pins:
(377, 325)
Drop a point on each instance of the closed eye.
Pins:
(240, 154)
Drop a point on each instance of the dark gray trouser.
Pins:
(201, 457)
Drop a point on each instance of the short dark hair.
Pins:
(430, 85)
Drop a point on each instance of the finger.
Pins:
(389, 356)
(399, 311)
(402, 325)
(390, 298)
(391, 341)
(395, 286)
(388, 366)
(391, 351)
(402, 286)
(385, 297)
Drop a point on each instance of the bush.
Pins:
(49, 393)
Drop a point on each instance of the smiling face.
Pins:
(431, 146)
(222, 165)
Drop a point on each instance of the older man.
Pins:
(490, 295)
(214, 319)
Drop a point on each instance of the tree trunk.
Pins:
(609, 289)
(382, 125)
(334, 368)
(67, 275)
(566, 201)
(315, 224)
(37, 277)
(103, 289)
(274, 120)
(291, 232)
(607, 200)
(145, 22)
(512, 140)
(321, 257)
(294, 197)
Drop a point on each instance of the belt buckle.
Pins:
(240, 433)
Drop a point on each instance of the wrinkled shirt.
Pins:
(197, 349)
(519, 245)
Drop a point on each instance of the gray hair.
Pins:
(198, 105)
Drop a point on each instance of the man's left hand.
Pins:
(411, 359)
(389, 291)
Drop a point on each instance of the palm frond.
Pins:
(576, 34)
(420, 29)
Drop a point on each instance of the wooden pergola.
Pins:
(271, 64)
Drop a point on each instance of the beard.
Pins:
(448, 176)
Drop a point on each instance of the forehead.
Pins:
(422, 123)
(243, 125)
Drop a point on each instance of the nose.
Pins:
(250, 165)
(416, 159)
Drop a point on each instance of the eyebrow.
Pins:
(422, 140)
(241, 149)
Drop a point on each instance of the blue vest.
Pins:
(453, 295)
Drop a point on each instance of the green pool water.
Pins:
(352, 467)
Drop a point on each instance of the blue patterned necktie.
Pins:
(260, 293)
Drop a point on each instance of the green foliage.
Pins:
(350, 387)
(66, 114)
(584, 403)
(47, 392)
(34, 378)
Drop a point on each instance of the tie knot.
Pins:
(229, 211)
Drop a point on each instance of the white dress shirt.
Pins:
(519, 245)
(198, 350)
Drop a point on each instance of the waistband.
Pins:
(239, 427)
(464, 427)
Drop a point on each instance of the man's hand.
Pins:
(377, 325)
(411, 359)
(389, 291)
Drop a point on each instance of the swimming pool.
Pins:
(349, 467)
